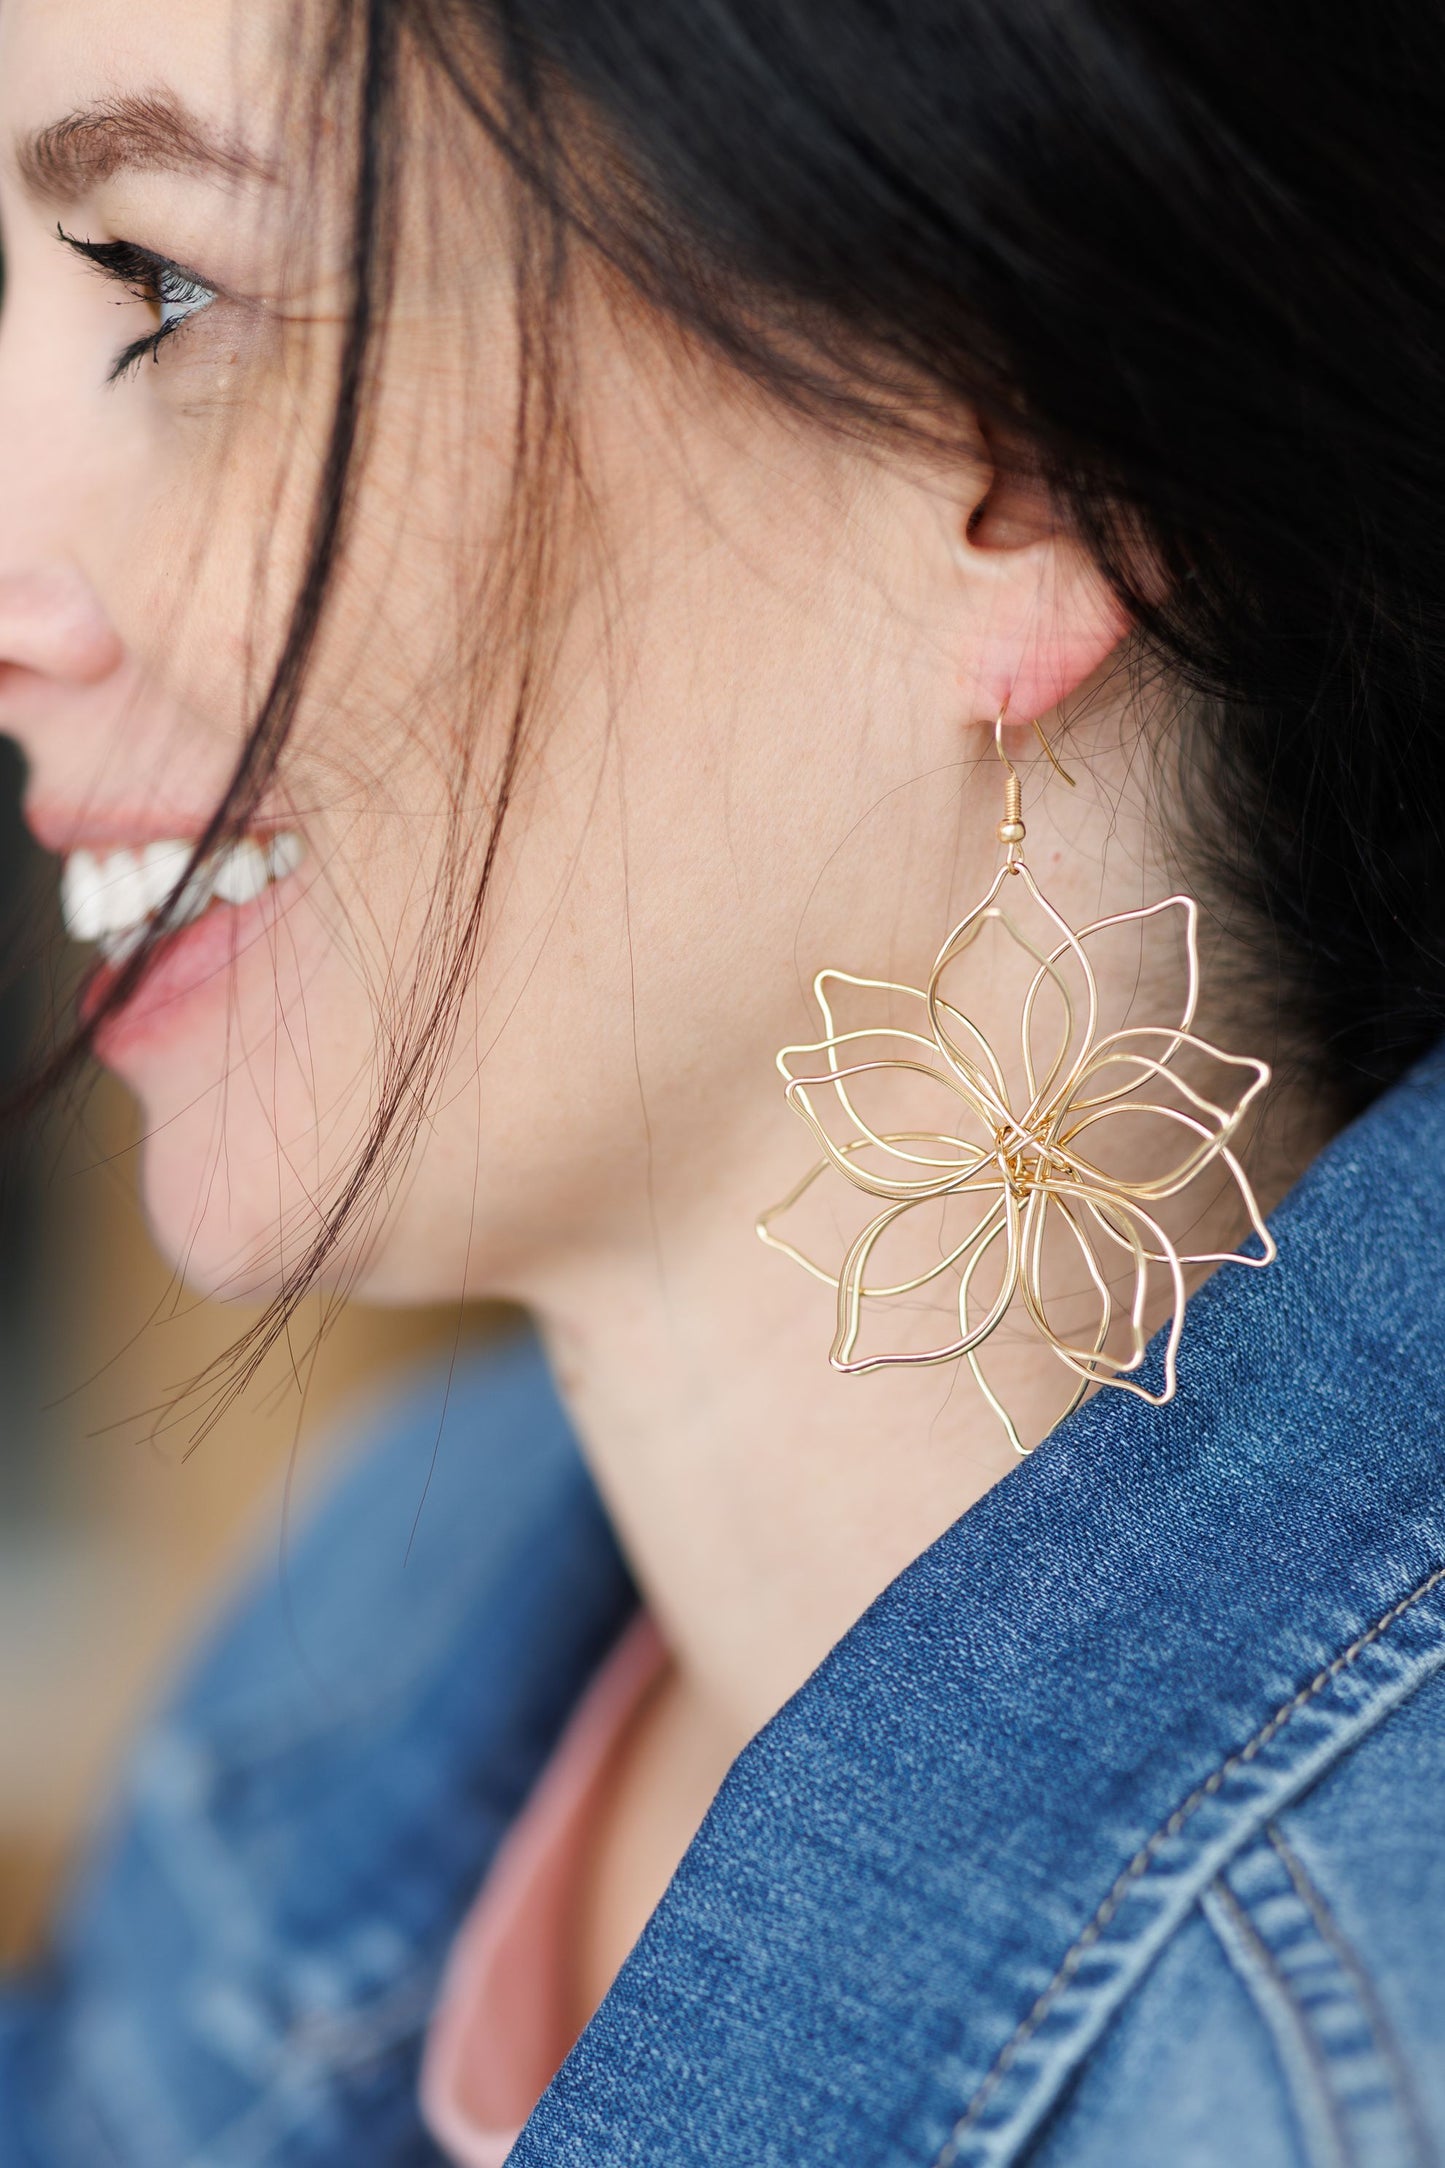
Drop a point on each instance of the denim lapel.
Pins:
(927, 1884)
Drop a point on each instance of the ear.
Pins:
(1041, 617)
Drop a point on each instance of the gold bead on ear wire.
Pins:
(1018, 1153)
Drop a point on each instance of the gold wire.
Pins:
(1030, 1168)
(1054, 761)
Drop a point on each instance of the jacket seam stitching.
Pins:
(1265, 1958)
(1376, 2018)
(1145, 1856)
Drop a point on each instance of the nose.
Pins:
(54, 631)
(52, 627)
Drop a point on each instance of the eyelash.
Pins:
(150, 278)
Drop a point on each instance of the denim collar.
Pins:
(928, 1883)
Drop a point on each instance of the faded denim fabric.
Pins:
(1112, 1835)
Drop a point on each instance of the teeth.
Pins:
(116, 948)
(286, 853)
(242, 870)
(121, 888)
(110, 897)
(162, 865)
(85, 913)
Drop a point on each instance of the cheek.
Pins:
(259, 1089)
(199, 538)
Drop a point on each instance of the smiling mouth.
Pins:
(115, 897)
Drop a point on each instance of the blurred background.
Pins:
(117, 1539)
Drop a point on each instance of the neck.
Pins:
(763, 1498)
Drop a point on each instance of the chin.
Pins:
(234, 1187)
(234, 1180)
(257, 1090)
(223, 1202)
(234, 1043)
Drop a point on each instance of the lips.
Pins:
(61, 828)
(125, 875)
(189, 968)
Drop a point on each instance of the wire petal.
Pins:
(1033, 1160)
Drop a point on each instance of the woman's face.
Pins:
(741, 757)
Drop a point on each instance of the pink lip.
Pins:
(61, 829)
(195, 963)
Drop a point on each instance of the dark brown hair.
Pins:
(1187, 262)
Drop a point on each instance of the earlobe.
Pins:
(1043, 617)
(1067, 627)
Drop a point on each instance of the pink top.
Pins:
(501, 2031)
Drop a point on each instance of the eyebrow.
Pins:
(66, 162)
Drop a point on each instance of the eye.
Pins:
(175, 293)
(179, 297)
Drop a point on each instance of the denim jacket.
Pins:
(1111, 1836)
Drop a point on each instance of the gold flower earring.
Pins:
(1020, 1156)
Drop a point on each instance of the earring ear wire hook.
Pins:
(1011, 830)
(1054, 761)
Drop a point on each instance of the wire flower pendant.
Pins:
(1025, 1163)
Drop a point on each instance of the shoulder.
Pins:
(248, 1966)
(1297, 2014)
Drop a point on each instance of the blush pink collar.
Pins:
(501, 2032)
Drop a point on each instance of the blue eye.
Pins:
(176, 294)
(179, 297)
